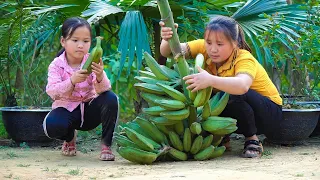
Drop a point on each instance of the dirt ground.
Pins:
(279, 162)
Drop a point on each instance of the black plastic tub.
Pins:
(25, 124)
(296, 127)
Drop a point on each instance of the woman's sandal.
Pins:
(69, 149)
(252, 149)
(106, 154)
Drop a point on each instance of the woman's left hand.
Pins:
(98, 70)
(198, 81)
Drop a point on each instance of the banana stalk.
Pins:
(174, 42)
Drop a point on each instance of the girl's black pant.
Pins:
(255, 113)
(61, 124)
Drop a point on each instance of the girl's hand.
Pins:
(166, 32)
(79, 76)
(198, 81)
(98, 70)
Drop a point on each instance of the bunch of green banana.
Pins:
(177, 123)
(140, 141)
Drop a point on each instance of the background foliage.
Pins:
(284, 39)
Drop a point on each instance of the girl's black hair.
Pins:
(230, 28)
(70, 25)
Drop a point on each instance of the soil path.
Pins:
(279, 162)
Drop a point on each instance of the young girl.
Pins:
(254, 100)
(81, 100)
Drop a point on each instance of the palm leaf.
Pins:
(99, 9)
(253, 21)
(38, 33)
(133, 38)
(46, 9)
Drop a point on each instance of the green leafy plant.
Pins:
(28, 29)
(294, 66)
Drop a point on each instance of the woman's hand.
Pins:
(98, 70)
(79, 76)
(198, 81)
(166, 32)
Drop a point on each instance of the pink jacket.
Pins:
(64, 94)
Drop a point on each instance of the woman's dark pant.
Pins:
(61, 124)
(255, 113)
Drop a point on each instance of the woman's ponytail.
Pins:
(241, 40)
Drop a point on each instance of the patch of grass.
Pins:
(267, 153)
(46, 169)
(299, 175)
(55, 170)
(23, 165)
(74, 172)
(11, 155)
(4, 147)
(63, 165)
(9, 176)
(24, 145)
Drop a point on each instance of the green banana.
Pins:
(214, 123)
(155, 67)
(178, 155)
(195, 128)
(206, 111)
(175, 94)
(187, 140)
(151, 98)
(227, 130)
(163, 129)
(149, 80)
(151, 130)
(219, 107)
(140, 140)
(159, 120)
(137, 155)
(196, 145)
(193, 114)
(94, 56)
(176, 115)
(200, 98)
(205, 153)
(135, 126)
(199, 61)
(192, 95)
(170, 104)
(150, 88)
(218, 151)
(208, 94)
(214, 100)
(172, 73)
(179, 127)
(147, 74)
(216, 140)
(207, 141)
(154, 111)
(124, 141)
(175, 140)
